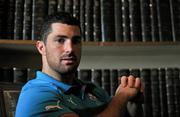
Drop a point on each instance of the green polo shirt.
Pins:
(46, 97)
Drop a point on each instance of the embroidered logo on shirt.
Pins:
(92, 97)
(53, 107)
(71, 101)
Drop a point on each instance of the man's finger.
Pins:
(131, 81)
(137, 83)
(124, 81)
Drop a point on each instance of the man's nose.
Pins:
(68, 46)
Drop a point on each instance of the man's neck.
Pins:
(66, 78)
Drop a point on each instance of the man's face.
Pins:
(63, 48)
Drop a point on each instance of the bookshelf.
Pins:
(23, 53)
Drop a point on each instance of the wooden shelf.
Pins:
(97, 47)
(32, 42)
(98, 54)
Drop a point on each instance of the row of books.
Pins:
(101, 20)
(161, 85)
(16, 75)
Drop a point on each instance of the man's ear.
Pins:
(41, 47)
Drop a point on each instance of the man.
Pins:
(56, 92)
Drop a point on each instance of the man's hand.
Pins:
(129, 86)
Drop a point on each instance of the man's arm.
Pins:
(128, 89)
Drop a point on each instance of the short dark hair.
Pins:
(58, 17)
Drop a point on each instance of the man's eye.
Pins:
(61, 40)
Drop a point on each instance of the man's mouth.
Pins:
(68, 60)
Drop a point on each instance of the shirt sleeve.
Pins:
(41, 101)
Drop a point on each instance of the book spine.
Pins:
(18, 20)
(60, 5)
(176, 73)
(7, 74)
(82, 18)
(135, 72)
(89, 20)
(97, 21)
(2, 19)
(85, 74)
(155, 92)
(170, 92)
(118, 21)
(76, 8)
(68, 6)
(175, 18)
(97, 77)
(27, 22)
(106, 80)
(154, 21)
(163, 92)
(146, 20)
(113, 81)
(146, 79)
(19, 75)
(126, 21)
(135, 20)
(52, 6)
(39, 10)
(164, 19)
(107, 20)
(10, 19)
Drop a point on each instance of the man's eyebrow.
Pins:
(62, 36)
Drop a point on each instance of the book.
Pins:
(10, 17)
(175, 19)
(118, 21)
(126, 21)
(27, 22)
(146, 79)
(2, 19)
(107, 20)
(60, 5)
(89, 20)
(176, 73)
(97, 21)
(106, 80)
(154, 21)
(19, 75)
(97, 77)
(163, 92)
(135, 72)
(52, 6)
(155, 92)
(18, 20)
(113, 81)
(10, 94)
(170, 92)
(39, 12)
(7, 74)
(146, 20)
(76, 8)
(68, 6)
(135, 20)
(164, 20)
(85, 74)
(82, 18)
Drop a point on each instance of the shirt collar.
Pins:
(45, 77)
